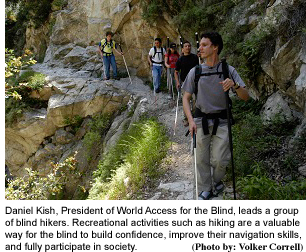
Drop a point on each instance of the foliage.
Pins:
(21, 14)
(257, 147)
(19, 87)
(131, 163)
(74, 122)
(258, 186)
(252, 140)
(13, 65)
(152, 10)
(251, 49)
(35, 187)
(60, 4)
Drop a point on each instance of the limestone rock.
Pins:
(276, 106)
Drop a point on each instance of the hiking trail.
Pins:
(178, 181)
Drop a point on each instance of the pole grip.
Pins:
(168, 42)
(194, 140)
(181, 42)
(120, 47)
(197, 40)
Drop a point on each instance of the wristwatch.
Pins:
(236, 86)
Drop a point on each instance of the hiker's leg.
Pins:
(155, 76)
(221, 154)
(106, 62)
(159, 70)
(171, 81)
(114, 65)
(203, 161)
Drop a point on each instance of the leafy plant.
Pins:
(35, 187)
(13, 65)
(258, 186)
(75, 122)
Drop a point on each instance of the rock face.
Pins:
(79, 28)
(73, 66)
(71, 96)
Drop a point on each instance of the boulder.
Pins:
(302, 170)
(276, 107)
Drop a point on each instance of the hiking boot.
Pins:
(117, 78)
(204, 195)
(219, 187)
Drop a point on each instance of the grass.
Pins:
(132, 163)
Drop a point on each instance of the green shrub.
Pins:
(35, 187)
(258, 186)
(131, 163)
(18, 88)
(252, 140)
(98, 128)
(74, 122)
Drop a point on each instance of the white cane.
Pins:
(195, 163)
(126, 66)
(171, 83)
(176, 112)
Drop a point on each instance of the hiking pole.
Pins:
(176, 111)
(126, 67)
(228, 110)
(168, 71)
(195, 162)
(171, 82)
(181, 43)
(198, 46)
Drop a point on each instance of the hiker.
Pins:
(171, 58)
(209, 122)
(156, 60)
(186, 62)
(105, 49)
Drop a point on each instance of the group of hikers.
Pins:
(207, 84)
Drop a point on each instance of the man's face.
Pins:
(186, 48)
(207, 48)
(109, 37)
(157, 43)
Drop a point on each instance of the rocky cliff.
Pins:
(79, 28)
(73, 66)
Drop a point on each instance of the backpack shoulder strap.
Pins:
(198, 72)
(155, 50)
(104, 44)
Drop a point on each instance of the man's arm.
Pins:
(99, 51)
(166, 60)
(186, 106)
(149, 60)
(176, 76)
(242, 92)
